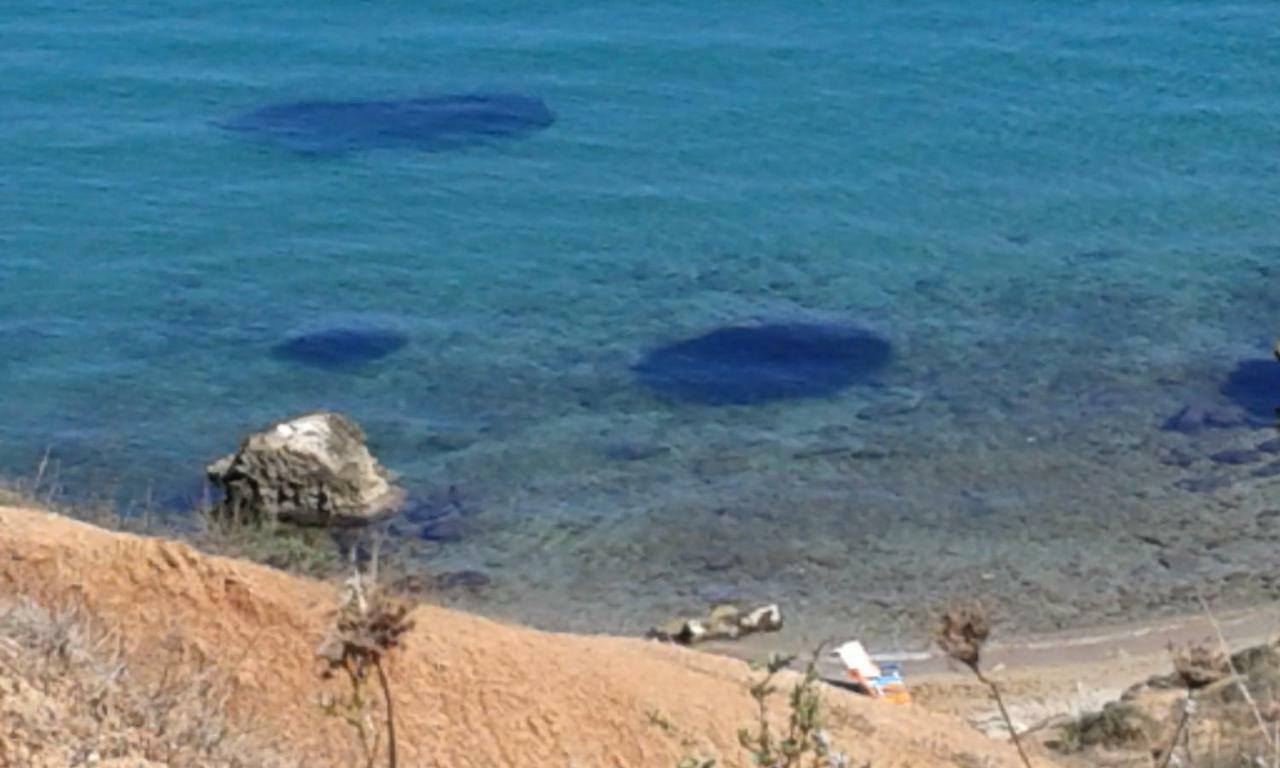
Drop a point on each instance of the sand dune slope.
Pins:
(469, 692)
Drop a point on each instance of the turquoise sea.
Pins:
(1063, 217)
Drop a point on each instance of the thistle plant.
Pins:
(961, 633)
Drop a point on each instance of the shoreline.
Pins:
(1140, 642)
(1047, 679)
(1015, 643)
(1139, 637)
(862, 520)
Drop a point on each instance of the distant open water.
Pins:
(1062, 217)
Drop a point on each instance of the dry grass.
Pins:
(44, 490)
(67, 698)
(306, 551)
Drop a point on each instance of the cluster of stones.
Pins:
(724, 622)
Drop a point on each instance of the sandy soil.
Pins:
(468, 691)
(1047, 678)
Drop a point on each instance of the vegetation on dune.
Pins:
(803, 742)
(68, 696)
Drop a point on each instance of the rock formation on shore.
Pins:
(313, 469)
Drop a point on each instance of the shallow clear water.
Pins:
(1062, 216)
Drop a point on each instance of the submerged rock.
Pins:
(1207, 484)
(1267, 470)
(1098, 255)
(1195, 417)
(745, 365)
(1236, 456)
(446, 530)
(429, 123)
(1254, 385)
(340, 347)
(633, 451)
(1180, 457)
(472, 580)
(439, 515)
(312, 469)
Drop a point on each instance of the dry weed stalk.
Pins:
(369, 625)
(961, 633)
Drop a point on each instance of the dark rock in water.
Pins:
(1203, 484)
(432, 124)
(439, 514)
(719, 560)
(338, 348)
(1236, 456)
(1180, 457)
(1098, 255)
(462, 579)
(446, 530)
(1255, 386)
(1187, 419)
(1226, 418)
(1179, 561)
(438, 504)
(633, 451)
(448, 440)
(424, 510)
(744, 365)
(1193, 418)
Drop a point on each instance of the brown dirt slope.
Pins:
(469, 692)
